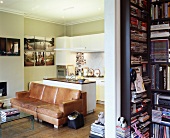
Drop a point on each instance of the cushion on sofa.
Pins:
(33, 105)
(20, 102)
(65, 94)
(36, 90)
(50, 110)
(49, 94)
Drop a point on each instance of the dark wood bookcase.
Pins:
(127, 40)
(161, 79)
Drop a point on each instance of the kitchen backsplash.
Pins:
(94, 61)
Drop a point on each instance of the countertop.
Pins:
(69, 81)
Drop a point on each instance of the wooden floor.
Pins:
(45, 130)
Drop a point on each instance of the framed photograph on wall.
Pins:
(39, 43)
(49, 58)
(13, 47)
(29, 43)
(2, 46)
(39, 58)
(49, 44)
(29, 59)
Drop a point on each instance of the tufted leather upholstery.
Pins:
(49, 103)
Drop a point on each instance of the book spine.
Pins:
(157, 76)
(166, 10)
(153, 76)
(156, 12)
(152, 12)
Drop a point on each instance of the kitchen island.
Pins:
(87, 86)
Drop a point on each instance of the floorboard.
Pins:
(44, 130)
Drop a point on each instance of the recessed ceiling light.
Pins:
(99, 9)
(1, 1)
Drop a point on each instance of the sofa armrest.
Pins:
(84, 97)
(22, 94)
(70, 106)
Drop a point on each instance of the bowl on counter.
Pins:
(81, 80)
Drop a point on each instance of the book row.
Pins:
(160, 11)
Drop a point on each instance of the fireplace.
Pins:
(3, 89)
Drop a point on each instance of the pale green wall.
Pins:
(12, 67)
(94, 27)
(40, 28)
(46, 29)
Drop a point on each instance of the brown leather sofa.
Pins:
(50, 104)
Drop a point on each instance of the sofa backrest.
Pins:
(49, 94)
(36, 90)
(65, 94)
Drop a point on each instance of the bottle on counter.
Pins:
(82, 72)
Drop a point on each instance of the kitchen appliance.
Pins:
(61, 71)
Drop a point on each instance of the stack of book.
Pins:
(8, 113)
(97, 131)
(159, 50)
(122, 132)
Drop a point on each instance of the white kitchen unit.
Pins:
(88, 43)
(63, 54)
(89, 87)
(62, 42)
(100, 91)
(99, 88)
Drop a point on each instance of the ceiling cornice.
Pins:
(85, 20)
(11, 11)
(52, 21)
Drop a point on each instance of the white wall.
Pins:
(12, 67)
(112, 66)
(95, 61)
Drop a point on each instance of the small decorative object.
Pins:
(96, 72)
(81, 80)
(100, 119)
(80, 59)
(122, 122)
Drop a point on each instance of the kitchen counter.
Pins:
(69, 81)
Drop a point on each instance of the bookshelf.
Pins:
(135, 24)
(160, 66)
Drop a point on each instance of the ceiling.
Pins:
(57, 11)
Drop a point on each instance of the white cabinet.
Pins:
(88, 43)
(63, 42)
(76, 42)
(100, 90)
(94, 42)
(63, 54)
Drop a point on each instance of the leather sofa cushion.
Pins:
(49, 94)
(36, 90)
(65, 94)
(20, 102)
(33, 105)
(50, 110)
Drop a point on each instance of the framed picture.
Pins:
(29, 58)
(39, 59)
(2, 46)
(13, 47)
(29, 43)
(49, 58)
(49, 44)
(39, 43)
